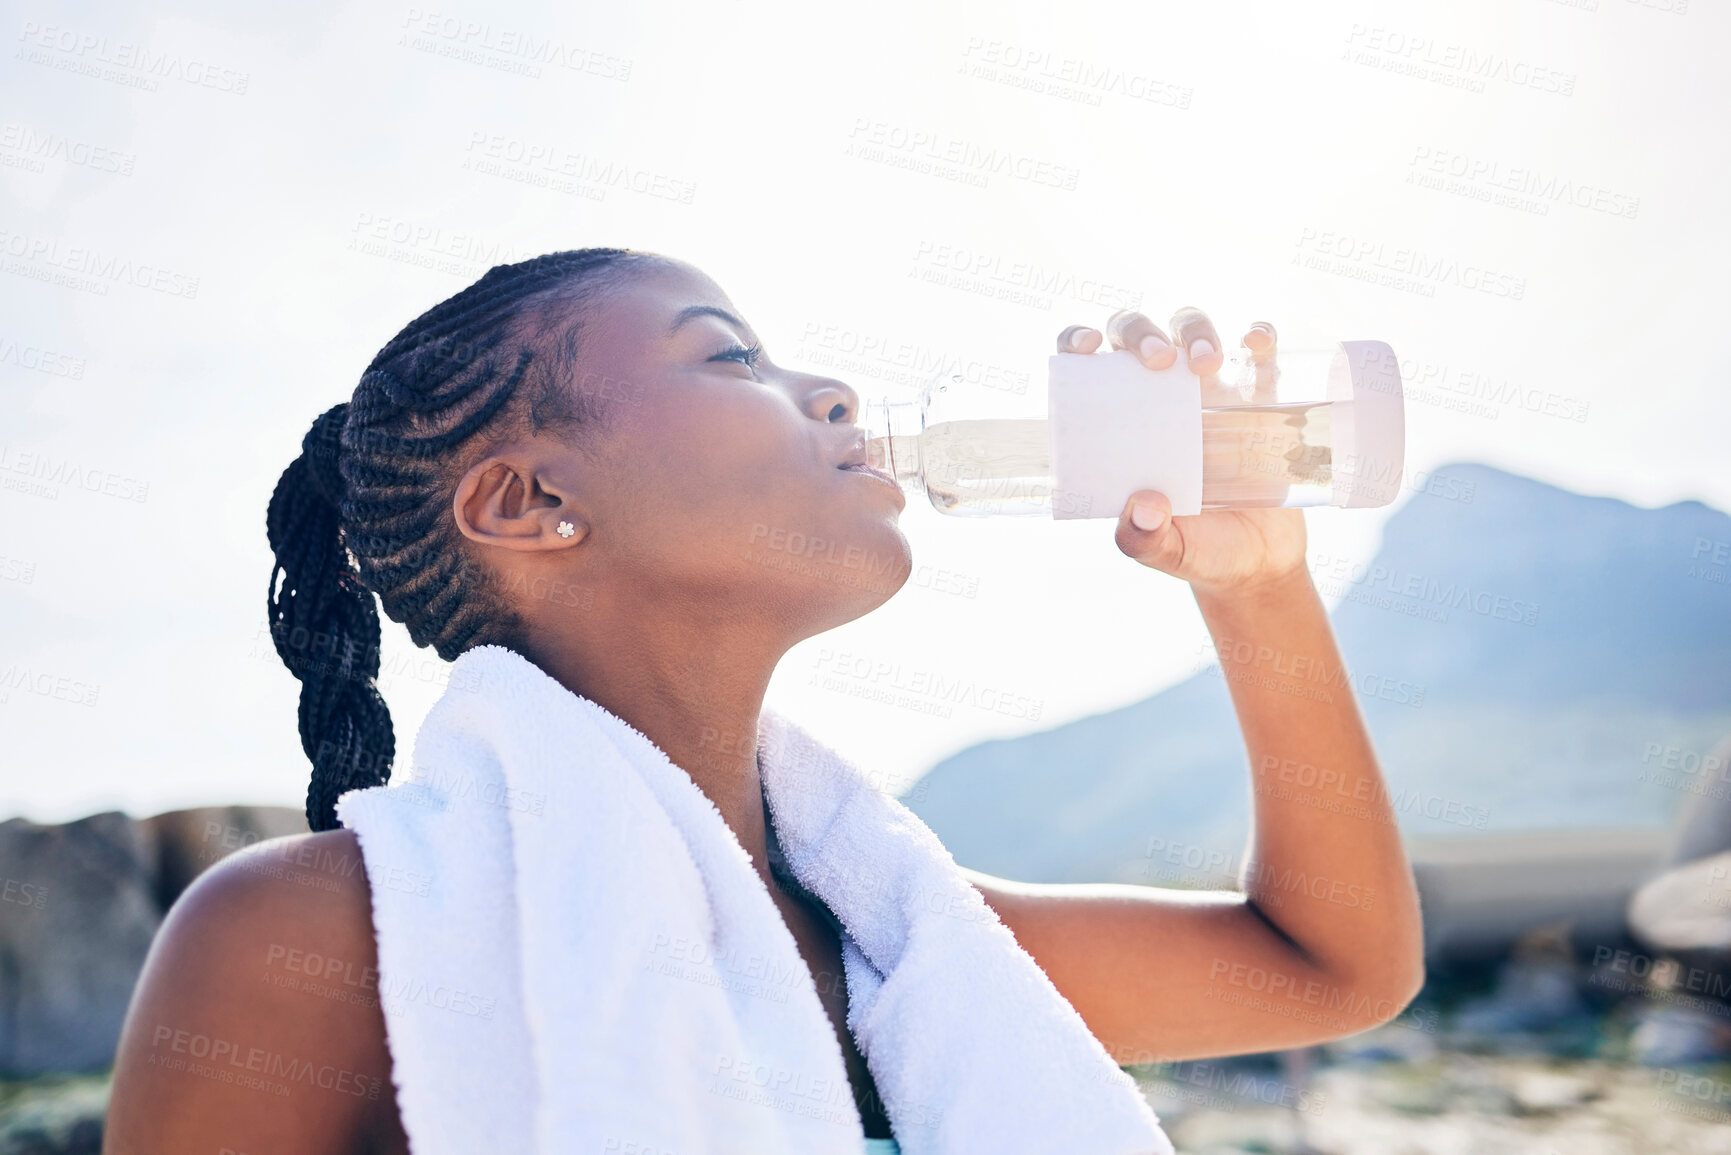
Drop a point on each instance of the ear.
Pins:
(505, 501)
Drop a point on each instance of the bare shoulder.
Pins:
(312, 887)
(256, 1022)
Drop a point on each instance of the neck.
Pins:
(694, 692)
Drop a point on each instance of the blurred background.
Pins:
(212, 217)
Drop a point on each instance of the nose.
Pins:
(829, 400)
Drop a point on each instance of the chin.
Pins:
(858, 573)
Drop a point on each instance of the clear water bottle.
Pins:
(1106, 426)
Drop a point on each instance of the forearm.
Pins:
(1325, 866)
(1325, 941)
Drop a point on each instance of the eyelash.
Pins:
(745, 355)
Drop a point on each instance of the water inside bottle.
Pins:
(980, 466)
(1267, 456)
(1253, 456)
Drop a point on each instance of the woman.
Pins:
(603, 421)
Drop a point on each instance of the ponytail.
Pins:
(458, 369)
(325, 626)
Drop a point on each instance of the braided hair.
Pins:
(365, 509)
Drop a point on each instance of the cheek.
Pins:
(721, 478)
(768, 523)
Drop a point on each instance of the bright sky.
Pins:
(215, 214)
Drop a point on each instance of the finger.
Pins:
(1078, 339)
(1146, 533)
(1134, 331)
(1261, 342)
(1195, 333)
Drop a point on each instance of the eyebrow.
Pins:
(693, 311)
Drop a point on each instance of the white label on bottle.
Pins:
(1117, 427)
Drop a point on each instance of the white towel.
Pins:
(576, 954)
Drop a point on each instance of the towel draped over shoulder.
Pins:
(576, 954)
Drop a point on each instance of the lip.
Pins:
(858, 461)
(870, 471)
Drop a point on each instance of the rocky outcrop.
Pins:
(56, 1115)
(79, 905)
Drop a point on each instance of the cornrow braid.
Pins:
(365, 508)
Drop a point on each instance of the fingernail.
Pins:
(1200, 349)
(1151, 345)
(1146, 517)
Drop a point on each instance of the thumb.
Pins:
(1146, 532)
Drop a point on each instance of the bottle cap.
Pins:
(1368, 416)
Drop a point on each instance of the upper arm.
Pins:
(1163, 975)
(255, 1025)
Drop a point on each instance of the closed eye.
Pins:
(747, 355)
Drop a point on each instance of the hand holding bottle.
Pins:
(1208, 432)
(1223, 551)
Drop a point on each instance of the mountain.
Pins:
(1525, 657)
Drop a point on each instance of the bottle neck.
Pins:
(892, 430)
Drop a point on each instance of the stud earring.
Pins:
(566, 529)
